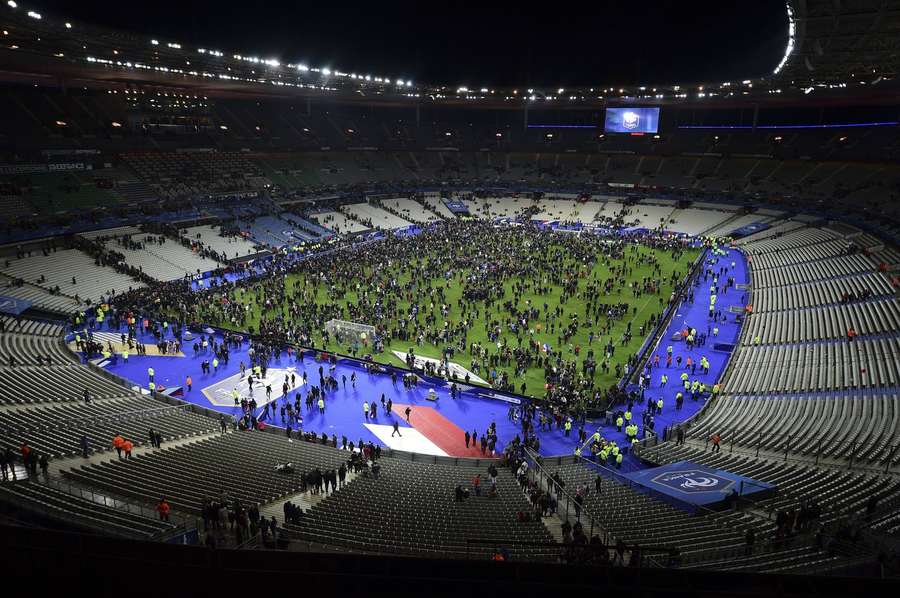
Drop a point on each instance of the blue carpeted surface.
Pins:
(344, 416)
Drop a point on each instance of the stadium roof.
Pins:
(835, 48)
(844, 41)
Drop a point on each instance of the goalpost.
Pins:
(351, 333)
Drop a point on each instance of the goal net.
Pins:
(351, 334)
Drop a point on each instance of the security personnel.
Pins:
(664, 380)
(619, 461)
(619, 421)
(152, 387)
(150, 373)
(568, 427)
(125, 355)
(659, 405)
(628, 416)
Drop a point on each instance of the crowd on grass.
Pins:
(542, 313)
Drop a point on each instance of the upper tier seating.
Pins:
(177, 175)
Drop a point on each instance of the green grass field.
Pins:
(646, 305)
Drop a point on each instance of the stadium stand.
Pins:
(374, 217)
(232, 246)
(38, 297)
(240, 465)
(85, 511)
(807, 401)
(69, 272)
(410, 210)
(339, 222)
(410, 509)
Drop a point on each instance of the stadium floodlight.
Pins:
(34, 15)
(409, 83)
(792, 31)
(154, 42)
(368, 77)
(560, 90)
(400, 82)
(326, 71)
(174, 46)
(68, 25)
(808, 90)
(12, 4)
(303, 68)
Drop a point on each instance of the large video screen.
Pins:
(632, 120)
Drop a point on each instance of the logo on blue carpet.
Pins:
(694, 480)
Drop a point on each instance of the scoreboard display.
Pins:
(632, 120)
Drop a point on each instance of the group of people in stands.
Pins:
(30, 459)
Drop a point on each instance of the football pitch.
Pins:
(574, 291)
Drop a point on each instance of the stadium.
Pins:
(267, 316)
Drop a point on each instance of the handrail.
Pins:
(181, 523)
(810, 457)
(544, 478)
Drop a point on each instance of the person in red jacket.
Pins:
(163, 509)
(127, 445)
(117, 443)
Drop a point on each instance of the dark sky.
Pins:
(540, 43)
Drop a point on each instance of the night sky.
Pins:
(477, 44)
